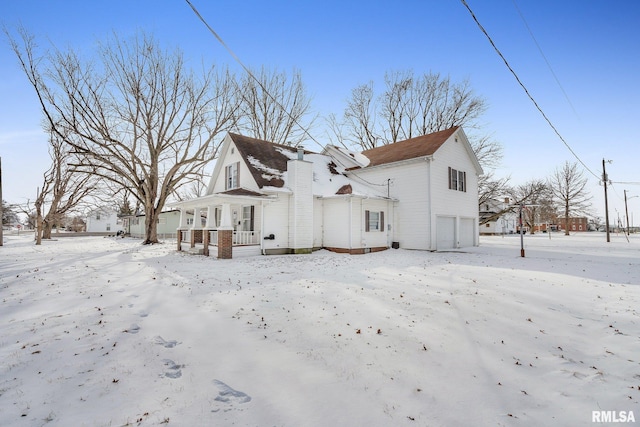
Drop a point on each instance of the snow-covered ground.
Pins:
(105, 332)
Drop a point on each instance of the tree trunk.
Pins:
(39, 223)
(566, 218)
(46, 229)
(151, 226)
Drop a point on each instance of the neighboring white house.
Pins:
(168, 223)
(102, 220)
(416, 194)
(496, 220)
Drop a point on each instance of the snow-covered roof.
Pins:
(268, 165)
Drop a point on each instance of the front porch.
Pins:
(206, 242)
(222, 225)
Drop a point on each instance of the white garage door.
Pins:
(467, 232)
(445, 233)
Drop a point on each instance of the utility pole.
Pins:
(521, 233)
(627, 211)
(606, 202)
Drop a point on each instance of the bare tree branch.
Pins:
(137, 117)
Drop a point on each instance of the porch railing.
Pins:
(240, 238)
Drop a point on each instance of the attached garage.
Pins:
(445, 233)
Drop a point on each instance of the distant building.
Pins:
(493, 219)
(168, 223)
(102, 220)
(575, 224)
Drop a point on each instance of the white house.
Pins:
(168, 223)
(102, 220)
(270, 198)
(496, 219)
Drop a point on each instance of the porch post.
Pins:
(225, 233)
(183, 218)
(211, 218)
(209, 225)
(182, 225)
(205, 242)
(197, 224)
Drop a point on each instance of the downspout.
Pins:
(350, 223)
(431, 228)
(262, 250)
(363, 242)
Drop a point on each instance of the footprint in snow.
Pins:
(133, 329)
(227, 397)
(174, 370)
(166, 344)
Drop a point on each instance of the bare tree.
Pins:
(568, 186)
(410, 106)
(491, 189)
(360, 118)
(534, 195)
(136, 117)
(274, 107)
(64, 188)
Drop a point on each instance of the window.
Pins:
(247, 218)
(108, 227)
(457, 180)
(189, 221)
(98, 216)
(231, 174)
(373, 221)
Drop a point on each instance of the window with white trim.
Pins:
(231, 174)
(373, 221)
(248, 214)
(457, 180)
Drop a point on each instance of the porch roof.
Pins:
(239, 195)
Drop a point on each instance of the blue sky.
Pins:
(592, 46)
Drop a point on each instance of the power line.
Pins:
(248, 71)
(526, 90)
(544, 56)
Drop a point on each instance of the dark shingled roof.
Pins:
(241, 192)
(345, 189)
(266, 153)
(420, 146)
